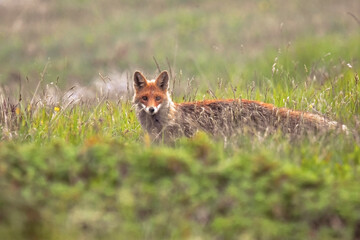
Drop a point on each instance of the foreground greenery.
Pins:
(112, 189)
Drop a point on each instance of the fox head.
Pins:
(151, 95)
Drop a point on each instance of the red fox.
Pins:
(165, 120)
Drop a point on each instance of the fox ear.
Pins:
(139, 81)
(162, 81)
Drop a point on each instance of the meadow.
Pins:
(75, 163)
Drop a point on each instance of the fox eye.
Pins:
(145, 98)
(158, 98)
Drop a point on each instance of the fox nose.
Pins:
(151, 109)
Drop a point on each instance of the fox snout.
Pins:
(152, 109)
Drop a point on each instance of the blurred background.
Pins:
(73, 41)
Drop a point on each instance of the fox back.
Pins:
(164, 119)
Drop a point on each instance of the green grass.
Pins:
(86, 170)
(116, 189)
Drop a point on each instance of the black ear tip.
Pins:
(164, 73)
(138, 76)
(137, 73)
